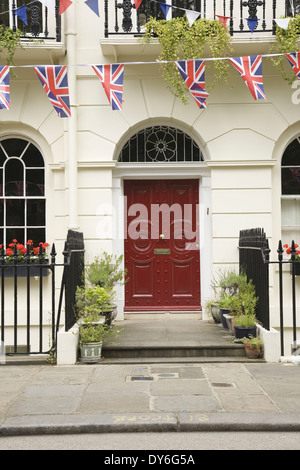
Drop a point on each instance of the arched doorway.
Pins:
(161, 171)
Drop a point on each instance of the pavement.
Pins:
(49, 399)
(162, 395)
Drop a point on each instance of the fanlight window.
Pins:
(160, 144)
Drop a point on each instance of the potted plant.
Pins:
(106, 272)
(91, 303)
(224, 305)
(253, 347)
(226, 288)
(245, 326)
(91, 336)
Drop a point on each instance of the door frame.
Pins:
(152, 171)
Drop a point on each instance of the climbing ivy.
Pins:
(180, 41)
(9, 41)
(286, 40)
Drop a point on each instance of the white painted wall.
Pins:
(242, 141)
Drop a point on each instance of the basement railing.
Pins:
(121, 17)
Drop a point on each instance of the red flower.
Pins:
(22, 249)
(289, 250)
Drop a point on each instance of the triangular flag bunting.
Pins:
(191, 16)
(63, 5)
(294, 60)
(223, 19)
(4, 87)
(282, 22)
(250, 68)
(252, 23)
(21, 13)
(165, 8)
(93, 4)
(49, 4)
(193, 73)
(137, 4)
(111, 76)
(55, 83)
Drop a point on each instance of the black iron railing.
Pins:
(254, 261)
(30, 303)
(120, 17)
(42, 22)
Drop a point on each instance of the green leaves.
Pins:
(179, 41)
(9, 41)
(286, 41)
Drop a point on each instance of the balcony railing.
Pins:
(122, 18)
(42, 23)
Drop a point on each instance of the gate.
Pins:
(31, 314)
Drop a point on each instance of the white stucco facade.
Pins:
(242, 141)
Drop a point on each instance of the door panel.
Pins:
(162, 245)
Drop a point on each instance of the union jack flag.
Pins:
(250, 68)
(111, 76)
(55, 83)
(294, 60)
(193, 73)
(4, 87)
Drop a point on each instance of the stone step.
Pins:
(233, 350)
(179, 360)
(171, 338)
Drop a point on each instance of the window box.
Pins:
(297, 268)
(34, 270)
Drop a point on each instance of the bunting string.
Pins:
(54, 79)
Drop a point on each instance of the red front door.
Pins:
(162, 245)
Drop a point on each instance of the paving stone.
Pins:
(180, 387)
(46, 405)
(241, 403)
(114, 402)
(53, 391)
(186, 403)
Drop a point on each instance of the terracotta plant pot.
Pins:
(252, 353)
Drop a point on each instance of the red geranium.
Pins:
(22, 250)
(289, 250)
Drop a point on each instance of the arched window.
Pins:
(22, 192)
(290, 190)
(160, 144)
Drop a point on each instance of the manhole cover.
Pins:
(167, 376)
(222, 384)
(135, 378)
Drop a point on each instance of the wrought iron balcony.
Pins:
(42, 23)
(122, 18)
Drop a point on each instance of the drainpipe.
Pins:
(72, 121)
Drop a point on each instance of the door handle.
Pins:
(161, 236)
